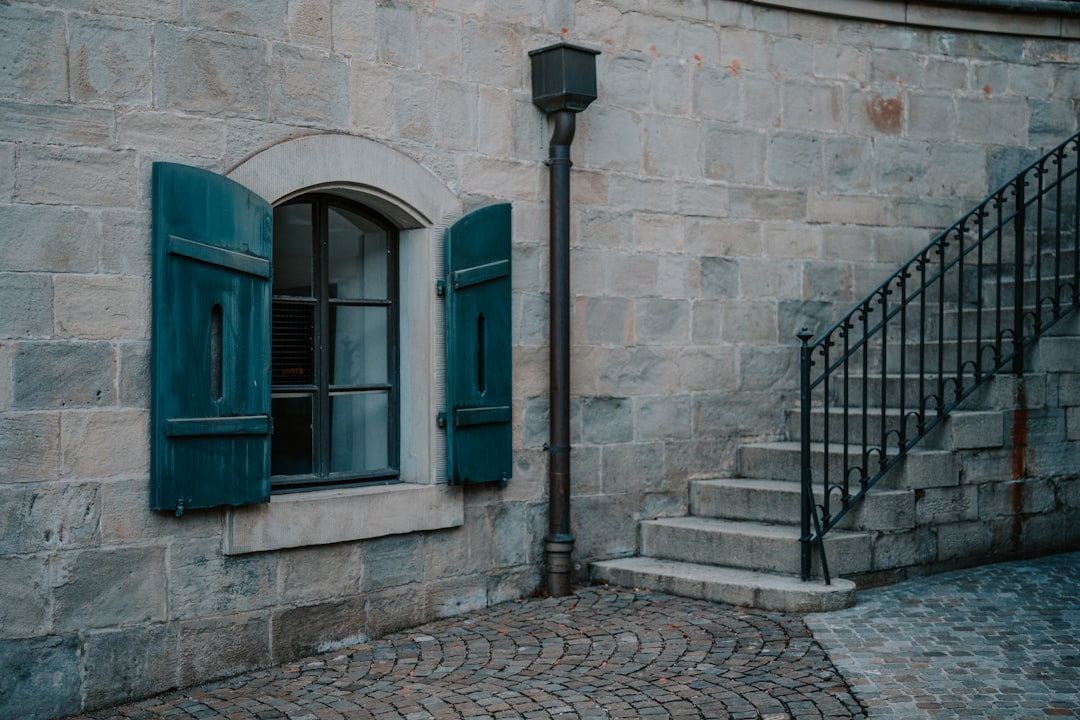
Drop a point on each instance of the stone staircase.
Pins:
(965, 494)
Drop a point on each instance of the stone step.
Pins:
(779, 501)
(961, 430)
(920, 468)
(727, 585)
(749, 545)
(999, 391)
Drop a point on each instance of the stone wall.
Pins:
(746, 170)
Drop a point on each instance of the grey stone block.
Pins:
(27, 300)
(936, 506)
(707, 368)
(212, 648)
(893, 550)
(133, 374)
(109, 60)
(321, 572)
(107, 588)
(963, 540)
(310, 23)
(902, 167)
(513, 536)
(768, 204)
(202, 582)
(33, 50)
(62, 124)
(182, 135)
(53, 516)
(456, 116)
(309, 87)
(603, 321)
(768, 368)
(39, 677)
(311, 629)
(214, 72)
(661, 321)
(626, 191)
(101, 307)
(673, 146)
(24, 597)
(812, 107)
(628, 275)
(663, 417)
(60, 175)
(391, 561)
(62, 375)
(733, 154)
(607, 419)
(354, 30)
(794, 160)
(618, 141)
(632, 468)
(720, 277)
(248, 17)
(671, 87)
(492, 54)
(1001, 121)
(396, 609)
(128, 664)
(105, 444)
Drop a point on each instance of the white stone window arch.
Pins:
(421, 206)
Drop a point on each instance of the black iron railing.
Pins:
(962, 309)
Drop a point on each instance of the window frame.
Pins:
(322, 389)
(420, 205)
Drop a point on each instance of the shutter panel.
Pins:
(478, 363)
(211, 341)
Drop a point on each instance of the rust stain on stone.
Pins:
(734, 67)
(885, 113)
(986, 92)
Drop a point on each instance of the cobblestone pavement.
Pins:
(1000, 641)
(604, 653)
(997, 642)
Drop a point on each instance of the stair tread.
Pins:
(777, 485)
(732, 585)
(796, 446)
(743, 527)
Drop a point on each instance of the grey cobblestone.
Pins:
(1001, 641)
(603, 653)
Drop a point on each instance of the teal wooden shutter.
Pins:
(210, 412)
(478, 364)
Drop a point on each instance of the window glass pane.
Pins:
(290, 446)
(357, 261)
(292, 343)
(293, 250)
(359, 347)
(359, 426)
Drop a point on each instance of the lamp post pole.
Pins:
(564, 83)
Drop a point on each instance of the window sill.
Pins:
(332, 516)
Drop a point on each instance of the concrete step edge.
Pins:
(747, 588)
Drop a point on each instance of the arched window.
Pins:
(334, 355)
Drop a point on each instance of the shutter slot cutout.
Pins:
(215, 352)
(480, 385)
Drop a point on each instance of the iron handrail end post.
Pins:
(1019, 228)
(805, 547)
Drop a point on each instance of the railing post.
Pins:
(1019, 228)
(807, 494)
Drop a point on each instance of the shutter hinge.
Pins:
(180, 507)
(440, 419)
(440, 287)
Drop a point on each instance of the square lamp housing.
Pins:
(564, 77)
